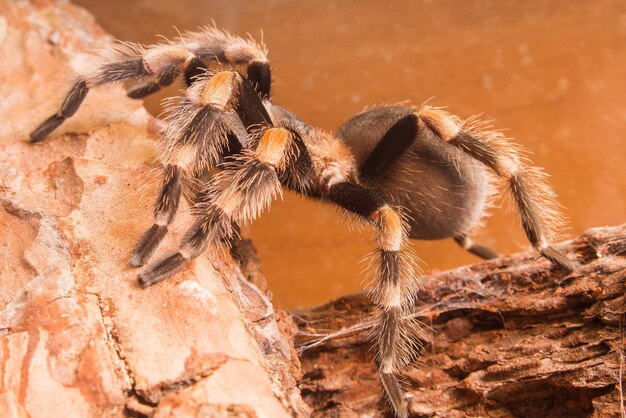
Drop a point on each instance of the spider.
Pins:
(410, 172)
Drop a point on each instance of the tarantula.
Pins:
(410, 172)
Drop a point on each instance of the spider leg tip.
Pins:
(147, 278)
(37, 136)
(571, 266)
(143, 281)
(161, 270)
(46, 127)
(560, 260)
(395, 394)
(136, 260)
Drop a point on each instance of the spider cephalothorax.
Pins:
(411, 172)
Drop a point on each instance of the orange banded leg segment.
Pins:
(236, 195)
(273, 147)
(129, 62)
(393, 289)
(220, 90)
(535, 200)
(443, 124)
(195, 155)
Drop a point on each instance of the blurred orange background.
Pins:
(552, 73)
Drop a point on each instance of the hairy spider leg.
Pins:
(128, 62)
(395, 284)
(157, 66)
(69, 106)
(209, 125)
(536, 202)
(163, 80)
(213, 45)
(124, 62)
(394, 287)
(260, 75)
(238, 194)
(165, 210)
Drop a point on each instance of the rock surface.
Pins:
(78, 337)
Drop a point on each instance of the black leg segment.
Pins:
(195, 68)
(166, 78)
(147, 244)
(354, 198)
(70, 105)
(260, 75)
(479, 250)
(169, 198)
(46, 127)
(74, 98)
(559, 259)
(233, 147)
(143, 91)
(164, 213)
(251, 110)
(390, 148)
(162, 269)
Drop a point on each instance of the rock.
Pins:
(78, 336)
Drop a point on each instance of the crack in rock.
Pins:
(49, 256)
(112, 339)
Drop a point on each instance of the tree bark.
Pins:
(510, 337)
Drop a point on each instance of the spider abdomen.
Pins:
(442, 190)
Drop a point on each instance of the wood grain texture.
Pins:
(510, 337)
